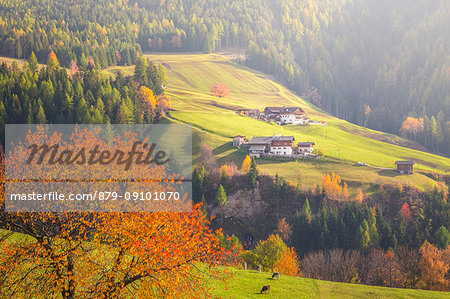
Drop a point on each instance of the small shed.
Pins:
(405, 167)
(239, 140)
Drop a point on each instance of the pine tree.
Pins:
(306, 212)
(197, 184)
(221, 196)
(253, 174)
(140, 71)
(363, 236)
(33, 63)
(40, 115)
(442, 237)
(67, 104)
(82, 112)
(83, 60)
(3, 118)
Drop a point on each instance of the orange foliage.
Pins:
(228, 170)
(331, 184)
(406, 211)
(52, 61)
(246, 164)
(288, 264)
(359, 196)
(220, 90)
(284, 230)
(147, 96)
(148, 101)
(163, 104)
(412, 126)
(105, 255)
(345, 191)
(434, 265)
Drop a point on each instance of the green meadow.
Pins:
(216, 122)
(248, 284)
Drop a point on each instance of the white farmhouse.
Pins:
(305, 148)
(286, 115)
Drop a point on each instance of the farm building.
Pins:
(285, 115)
(405, 167)
(305, 147)
(253, 113)
(271, 146)
(239, 140)
(282, 145)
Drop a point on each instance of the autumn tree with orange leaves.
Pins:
(106, 255)
(52, 62)
(405, 211)
(289, 263)
(331, 184)
(411, 127)
(359, 196)
(220, 90)
(284, 230)
(434, 266)
(148, 104)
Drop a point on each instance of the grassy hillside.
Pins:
(248, 284)
(192, 75)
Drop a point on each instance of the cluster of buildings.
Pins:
(275, 146)
(284, 146)
(280, 115)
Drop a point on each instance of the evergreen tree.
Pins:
(3, 118)
(306, 212)
(442, 237)
(363, 236)
(253, 174)
(140, 71)
(197, 184)
(221, 196)
(82, 112)
(40, 115)
(33, 63)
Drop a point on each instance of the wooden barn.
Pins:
(405, 167)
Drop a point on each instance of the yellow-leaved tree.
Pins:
(246, 164)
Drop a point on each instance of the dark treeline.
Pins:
(372, 63)
(52, 94)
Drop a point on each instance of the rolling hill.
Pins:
(190, 78)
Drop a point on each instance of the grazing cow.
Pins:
(276, 274)
(259, 269)
(265, 289)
